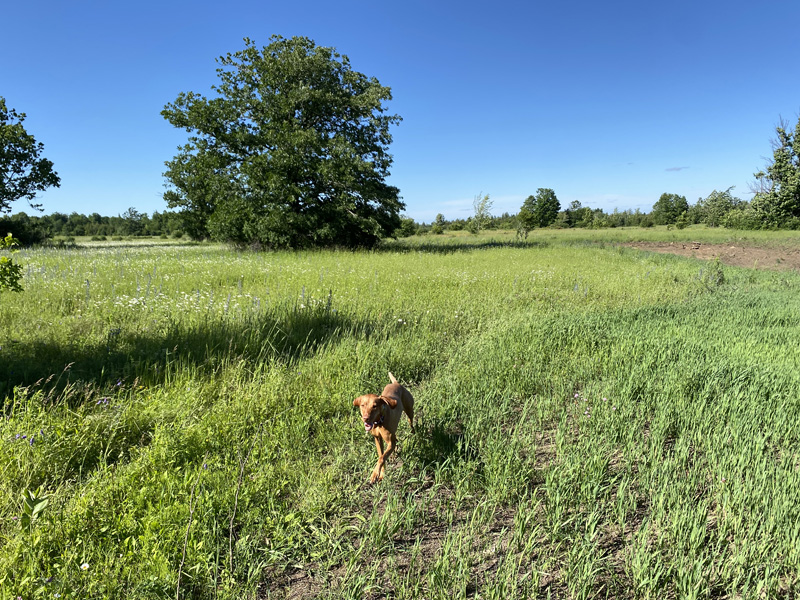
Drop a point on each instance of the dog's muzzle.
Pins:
(368, 426)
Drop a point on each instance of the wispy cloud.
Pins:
(676, 168)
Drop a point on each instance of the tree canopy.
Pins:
(540, 210)
(716, 206)
(668, 208)
(291, 152)
(23, 172)
(777, 198)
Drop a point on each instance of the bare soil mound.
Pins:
(739, 256)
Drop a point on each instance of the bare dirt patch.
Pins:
(752, 257)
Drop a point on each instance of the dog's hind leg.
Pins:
(408, 408)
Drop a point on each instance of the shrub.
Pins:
(742, 218)
(407, 228)
(457, 225)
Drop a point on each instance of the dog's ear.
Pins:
(388, 400)
(357, 401)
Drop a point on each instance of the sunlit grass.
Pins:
(615, 235)
(592, 422)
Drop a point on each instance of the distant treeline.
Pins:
(719, 209)
(36, 229)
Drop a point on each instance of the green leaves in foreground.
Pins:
(33, 503)
(10, 272)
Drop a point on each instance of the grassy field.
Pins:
(593, 422)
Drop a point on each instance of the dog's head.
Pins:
(371, 406)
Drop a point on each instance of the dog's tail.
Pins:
(392, 378)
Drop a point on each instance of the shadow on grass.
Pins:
(458, 245)
(124, 356)
(439, 444)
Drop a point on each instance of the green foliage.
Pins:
(33, 503)
(716, 206)
(10, 272)
(407, 227)
(438, 224)
(457, 225)
(577, 215)
(482, 207)
(746, 217)
(668, 208)
(713, 276)
(134, 222)
(35, 229)
(540, 210)
(23, 172)
(291, 152)
(778, 194)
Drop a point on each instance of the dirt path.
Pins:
(739, 256)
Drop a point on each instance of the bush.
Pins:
(793, 224)
(407, 228)
(742, 218)
(457, 225)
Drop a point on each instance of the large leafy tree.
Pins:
(777, 196)
(291, 152)
(540, 210)
(668, 208)
(23, 171)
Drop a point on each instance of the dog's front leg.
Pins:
(376, 471)
(380, 468)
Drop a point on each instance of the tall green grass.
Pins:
(592, 422)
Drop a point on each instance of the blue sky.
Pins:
(608, 103)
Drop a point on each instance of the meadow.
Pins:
(593, 421)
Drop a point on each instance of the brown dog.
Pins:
(381, 416)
